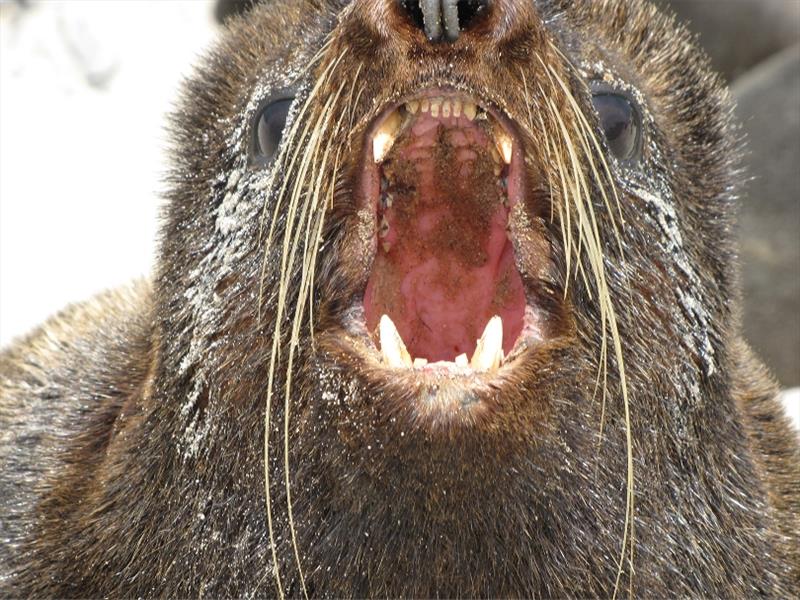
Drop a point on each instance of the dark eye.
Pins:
(621, 124)
(268, 131)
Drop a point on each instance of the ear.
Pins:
(226, 9)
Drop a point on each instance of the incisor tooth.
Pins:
(412, 106)
(462, 360)
(489, 351)
(446, 109)
(425, 105)
(385, 136)
(392, 346)
(470, 110)
(456, 108)
(436, 105)
(420, 362)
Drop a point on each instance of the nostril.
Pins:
(469, 11)
(443, 19)
(414, 12)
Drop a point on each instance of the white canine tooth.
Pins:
(384, 139)
(456, 108)
(392, 346)
(446, 109)
(420, 362)
(504, 144)
(462, 360)
(425, 105)
(489, 351)
(470, 110)
(412, 106)
(436, 106)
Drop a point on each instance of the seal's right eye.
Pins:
(268, 130)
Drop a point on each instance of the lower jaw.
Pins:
(439, 398)
(463, 376)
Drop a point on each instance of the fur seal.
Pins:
(446, 305)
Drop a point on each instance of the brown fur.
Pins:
(132, 428)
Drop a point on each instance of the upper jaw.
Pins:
(443, 103)
(384, 347)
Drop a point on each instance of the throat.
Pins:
(444, 264)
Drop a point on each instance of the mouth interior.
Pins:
(444, 264)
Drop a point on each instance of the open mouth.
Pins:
(445, 292)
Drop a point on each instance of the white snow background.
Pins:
(84, 91)
(85, 86)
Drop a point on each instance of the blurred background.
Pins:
(85, 85)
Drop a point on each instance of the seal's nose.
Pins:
(444, 20)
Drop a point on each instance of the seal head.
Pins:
(443, 308)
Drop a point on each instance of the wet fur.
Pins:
(132, 427)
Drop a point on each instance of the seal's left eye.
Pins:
(270, 123)
(621, 124)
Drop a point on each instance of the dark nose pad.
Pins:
(444, 20)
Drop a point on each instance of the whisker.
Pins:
(587, 132)
(310, 215)
(296, 173)
(280, 168)
(567, 153)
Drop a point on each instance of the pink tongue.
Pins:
(445, 266)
